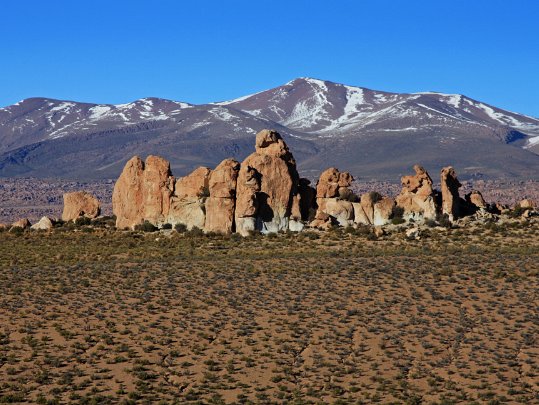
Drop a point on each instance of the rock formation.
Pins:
(450, 193)
(23, 223)
(220, 206)
(187, 204)
(383, 211)
(475, 198)
(332, 195)
(44, 224)
(143, 192)
(527, 204)
(417, 196)
(275, 168)
(80, 204)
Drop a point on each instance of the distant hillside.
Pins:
(373, 134)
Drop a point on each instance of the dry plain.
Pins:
(90, 315)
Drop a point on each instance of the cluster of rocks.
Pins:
(262, 193)
(265, 193)
(77, 204)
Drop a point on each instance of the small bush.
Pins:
(397, 220)
(146, 226)
(17, 230)
(181, 228)
(82, 221)
(166, 226)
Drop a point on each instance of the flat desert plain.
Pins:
(90, 315)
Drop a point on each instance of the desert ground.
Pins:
(91, 315)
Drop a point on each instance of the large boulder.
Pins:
(341, 211)
(417, 196)
(527, 204)
(332, 198)
(333, 183)
(143, 192)
(450, 193)
(80, 204)
(22, 223)
(44, 224)
(383, 211)
(278, 177)
(476, 200)
(220, 206)
(187, 204)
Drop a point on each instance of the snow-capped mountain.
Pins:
(331, 109)
(374, 134)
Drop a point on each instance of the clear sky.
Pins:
(201, 51)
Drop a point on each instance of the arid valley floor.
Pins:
(90, 315)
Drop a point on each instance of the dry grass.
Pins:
(121, 317)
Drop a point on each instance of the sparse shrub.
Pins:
(397, 220)
(181, 228)
(166, 226)
(83, 221)
(17, 230)
(146, 226)
(443, 220)
(195, 232)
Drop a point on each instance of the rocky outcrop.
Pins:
(187, 204)
(527, 204)
(383, 211)
(332, 198)
(450, 193)
(22, 223)
(220, 206)
(275, 168)
(44, 224)
(80, 204)
(476, 200)
(143, 192)
(417, 196)
(341, 211)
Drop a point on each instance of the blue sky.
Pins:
(201, 51)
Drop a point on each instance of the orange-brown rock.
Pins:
(80, 204)
(143, 192)
(195, 184)
(187, 204)
(220, 206)
(383, 211)
(333, 183)
(475, 198)
(23, 223)
(341, 211)
(417, 196)
(527, 203)
(279, 180)
(450, 193)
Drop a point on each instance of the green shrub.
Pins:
(166, 226)
(17, 230)
(146, 226)
(82, 221)
(181, 228)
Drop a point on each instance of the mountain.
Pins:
(374, 134)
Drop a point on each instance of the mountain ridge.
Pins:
(364, 131)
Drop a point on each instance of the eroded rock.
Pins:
(80, 204)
